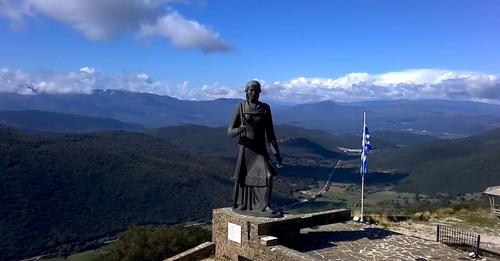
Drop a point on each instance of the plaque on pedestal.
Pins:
(234, 232)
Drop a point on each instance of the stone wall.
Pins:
(196, 253)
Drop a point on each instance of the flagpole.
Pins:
(362, 196)
(361, 169)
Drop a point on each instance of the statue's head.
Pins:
(252, 90)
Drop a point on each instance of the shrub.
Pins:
(151, 244)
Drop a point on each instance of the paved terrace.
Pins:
(318, 236)
(354, 241)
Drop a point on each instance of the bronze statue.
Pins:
(254, 171)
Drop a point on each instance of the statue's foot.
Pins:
(269, 210)
(265, 212)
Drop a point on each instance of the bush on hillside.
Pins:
(151, 244)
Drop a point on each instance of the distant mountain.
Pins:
(65, 189)
(446, 166)
(312, 152)
(293, 140)
(324, 138)
(442, 118)
(326, 115)
(387, 139)
(301, 147)
(146, 109)
(433, 106)
(43, 121)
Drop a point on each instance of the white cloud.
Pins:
(409, 84)
(88, 70)
(106, 19)
(101, 19)
(15, 11)
(14, 82)
(184, 33)
(214, 91)
(139, 83)
(83, 81)
(205, 92)
(44, 81)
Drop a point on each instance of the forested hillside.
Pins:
(77, 187)
(44, 121)
(446, 166)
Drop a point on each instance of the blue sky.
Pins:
(302, 50)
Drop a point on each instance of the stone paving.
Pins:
(490, 238)
(354, 241)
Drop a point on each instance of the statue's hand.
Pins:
(279, 159)
(242, 129)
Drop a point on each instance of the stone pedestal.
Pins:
(240, 237)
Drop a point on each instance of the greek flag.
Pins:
(366, 147)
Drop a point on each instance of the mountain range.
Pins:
(44, 121)
(442, 118)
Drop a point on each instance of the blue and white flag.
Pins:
(366, 147)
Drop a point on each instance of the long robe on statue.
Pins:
(253, 171)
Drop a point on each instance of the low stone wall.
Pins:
(240, 237)
(200, 252)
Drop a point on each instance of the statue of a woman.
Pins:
(254, 172)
